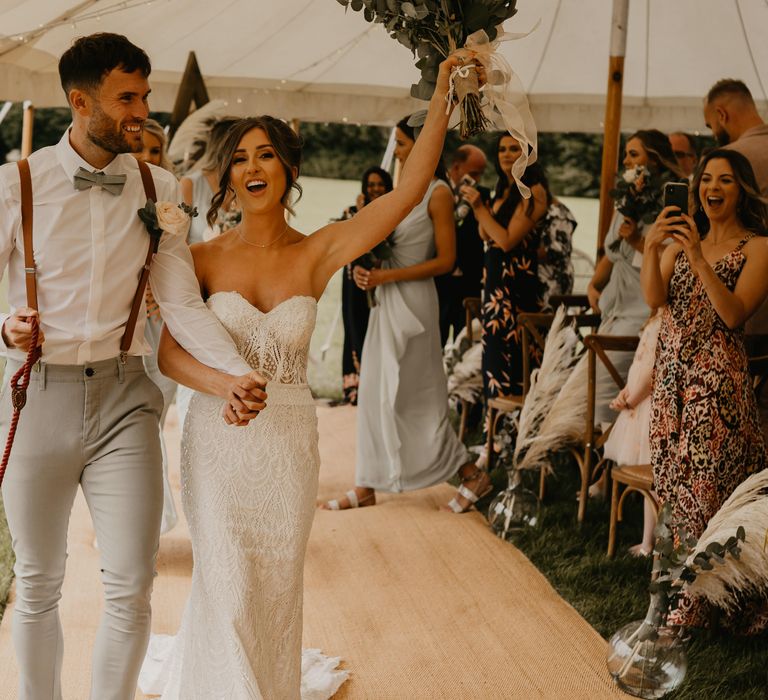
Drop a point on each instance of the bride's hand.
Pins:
(457, 59)
(244, 396)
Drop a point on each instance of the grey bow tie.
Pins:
(84, 179)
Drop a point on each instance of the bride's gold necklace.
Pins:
(261, 245)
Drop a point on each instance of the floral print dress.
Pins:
(510, 286)
(556, 270)
(705, 431)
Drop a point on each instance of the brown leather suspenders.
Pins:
(138, 299)
(29, 257)
(26, 226)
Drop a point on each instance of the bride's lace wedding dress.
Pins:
(249, 498)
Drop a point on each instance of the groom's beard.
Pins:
(107, 134)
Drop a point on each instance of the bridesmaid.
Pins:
(510, 275)
(404, 436)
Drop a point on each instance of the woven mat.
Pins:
(420, 604)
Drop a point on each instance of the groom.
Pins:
(91, 416)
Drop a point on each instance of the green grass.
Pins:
(610, 593)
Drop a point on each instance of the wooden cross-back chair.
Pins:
(598, 347)
(533, 329)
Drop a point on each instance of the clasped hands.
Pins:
(244, 398)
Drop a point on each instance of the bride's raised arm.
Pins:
(342, 242)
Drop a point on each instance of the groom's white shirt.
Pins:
(90, 246)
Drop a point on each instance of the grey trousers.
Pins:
(94, 425)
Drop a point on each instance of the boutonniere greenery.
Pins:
(166, 217)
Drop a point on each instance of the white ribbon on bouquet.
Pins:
(505, 102)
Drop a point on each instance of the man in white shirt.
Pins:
(91, 415)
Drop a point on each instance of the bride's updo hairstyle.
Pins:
(284, 140)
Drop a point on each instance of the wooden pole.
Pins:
(27, 129)
(612, 123)
(296, 125)
(191, 89)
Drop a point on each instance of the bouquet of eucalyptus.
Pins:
(432, 29)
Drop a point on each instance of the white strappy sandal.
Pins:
(470, 495)
(354, 501)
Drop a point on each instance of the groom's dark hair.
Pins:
(85, 64)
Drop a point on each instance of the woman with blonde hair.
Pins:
(155, 142)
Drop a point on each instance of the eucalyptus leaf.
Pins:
(741, 533)
(429, 72)
(417, 119)
(476, 16)
(356, 5)
(368, 13)
(423, 50)
(408, 9)
(422, 90)
(403, 38)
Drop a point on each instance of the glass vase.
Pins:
(515, 508)
(646, 659)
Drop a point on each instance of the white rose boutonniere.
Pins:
(166, 217)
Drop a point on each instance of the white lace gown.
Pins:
(249, 497)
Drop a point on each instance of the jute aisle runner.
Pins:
(420, 604)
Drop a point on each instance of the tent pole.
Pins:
(191, 89)
(27, 129)
(612, 123)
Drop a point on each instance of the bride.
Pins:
(249, 492)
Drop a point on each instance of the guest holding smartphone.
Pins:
(705, 433)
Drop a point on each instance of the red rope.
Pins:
(19, 392)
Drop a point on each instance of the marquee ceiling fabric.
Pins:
(311, 60)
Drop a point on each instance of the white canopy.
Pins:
(308, 59)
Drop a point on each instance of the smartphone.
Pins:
(676, 195)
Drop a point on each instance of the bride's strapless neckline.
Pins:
(256, 308)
